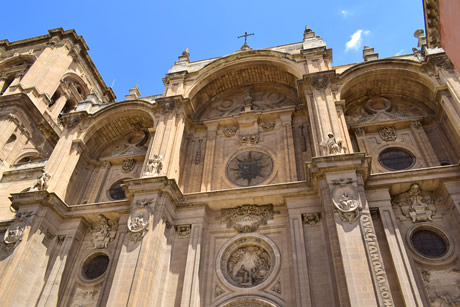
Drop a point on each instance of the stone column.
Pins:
(65, 245)
(209, 157)
(139, 279)
(356, 255)
(452, 109)
(190, 288)
(168, 139)
(407, 284)
(324, 116)
(288, 142)
(424, 144)
(97, 186)
(299, 258)
(58, 106)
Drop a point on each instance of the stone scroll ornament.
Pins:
(346, 200)
(15, 232)
(103, 232)
(418, 205)
(247, 218)
(138, 220)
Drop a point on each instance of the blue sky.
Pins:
(136, 42)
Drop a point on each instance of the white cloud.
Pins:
(356, 40)
(345, 13)
(399, 52)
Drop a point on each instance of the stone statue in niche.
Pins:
(41, 184)
(103, 232)
(248, 266)
(416, 204)
(332, 146)
(154, 166)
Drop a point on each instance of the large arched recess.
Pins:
(388, 77)
(242, 69)
(116, 121)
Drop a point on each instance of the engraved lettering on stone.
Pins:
(183, 231)
(128, 165)
(229, 132)
(378, 269)
(268, 126)
(154, 166)
(103, 232)
(388, 134)
(332, 146)
(41, 184)
(416, 204)
(249, 139)
(311, 218)
(247, 218)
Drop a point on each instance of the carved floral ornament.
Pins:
(229, 132)
(247, 218)
(138, 220)
(346, 200)
(103, 232)
(416, 204)
(251, 139)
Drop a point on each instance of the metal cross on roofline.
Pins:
(245, 37)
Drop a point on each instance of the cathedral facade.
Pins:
(261, 178)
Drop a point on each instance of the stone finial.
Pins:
(308, 33)
(185, 57)
(133, 93)
(420, 36)
(369, 54)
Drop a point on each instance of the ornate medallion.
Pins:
(248, 262)
(249, 168)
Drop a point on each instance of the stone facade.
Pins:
(261, 178)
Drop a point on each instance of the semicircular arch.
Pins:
(387, 77)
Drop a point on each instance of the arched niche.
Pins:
(217, 79)
(116, 145)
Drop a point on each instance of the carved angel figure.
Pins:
(41, 184)
(416, 204)
(154, 166)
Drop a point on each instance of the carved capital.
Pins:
(311, 218)
(229, 132)
(183, 231)
(268, 126)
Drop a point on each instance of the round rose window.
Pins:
(249, 168)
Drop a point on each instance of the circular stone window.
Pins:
(396, 159)
(248, 262)
(249, 168)
(116, 191)
(429, 243)
(95, 266)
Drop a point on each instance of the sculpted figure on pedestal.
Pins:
(154, 166)
(41, 184)
(332, 147)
